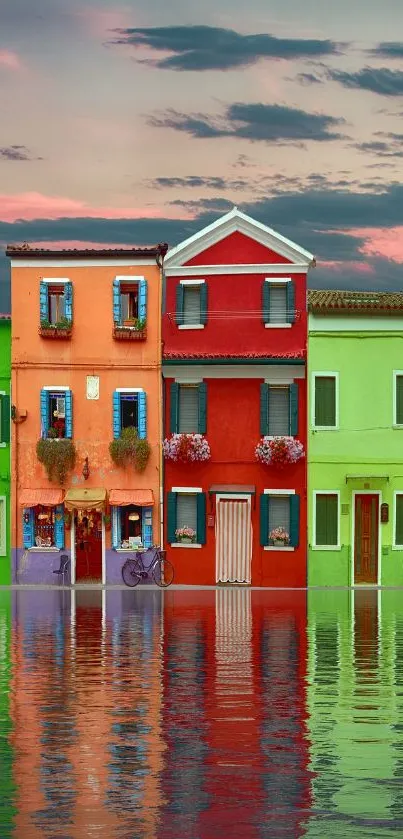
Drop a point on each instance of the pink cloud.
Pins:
(349, 265)
(10, 60)
(33, 205)
(385, 242)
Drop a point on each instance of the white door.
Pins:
(233, 540)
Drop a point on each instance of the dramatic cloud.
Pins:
(388, 49)
(16, 153)
(377, 80)
(212, 48)
(192, 181)
(256, 122)
(34, 205)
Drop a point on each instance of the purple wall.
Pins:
(36, 567)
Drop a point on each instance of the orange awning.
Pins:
(47, 497)
(85, 499)
(124, 497)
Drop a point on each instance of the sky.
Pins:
(138, 122)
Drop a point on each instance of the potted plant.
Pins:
(60, 329)
(187, 448)
(130, 450)
(185, 534)
(58, 458)
(279, 451)
(279, 537)
(131, 328)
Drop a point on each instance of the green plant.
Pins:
(58, 458)
(63, 323)
(52, 433)
(130, 450)
(141, 324)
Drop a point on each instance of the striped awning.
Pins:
(126, 497)
(46, 497)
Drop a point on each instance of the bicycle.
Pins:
(159, 567)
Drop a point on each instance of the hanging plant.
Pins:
(186, 448)
(279, 451)
(58, 458)
(67, 519)
(130, 450)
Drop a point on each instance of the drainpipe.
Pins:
(162, 249)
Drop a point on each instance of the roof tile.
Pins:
(339, 302)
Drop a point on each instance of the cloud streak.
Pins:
(382, 80)
(16, 153)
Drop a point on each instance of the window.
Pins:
(325, 400)
(4, 418)
(326, 524)
(56, 299)
(279, 509)
(191, 303)
(278, 304)
(129, 411)
(188, 408)
(187, 509)
(3, 525)
(279, 410)
(132, 527)
(398, 398)
(56, 413)
(398, 534)
(43, 527)
(129, 300)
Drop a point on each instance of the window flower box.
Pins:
(185, 535)
(279, 451)
(61, 329)
(279, 537)
(186, 448)
(130, 330)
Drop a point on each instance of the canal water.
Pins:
(201, 714)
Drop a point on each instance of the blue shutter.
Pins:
(59, 526)
(203, 302)
(264, 519)
(201, 518)
(171, 516)
(142, 414)
(266, 302)
(179, 304)
(69, 413)
(174, 395)
(5, 418)
(117, 312)
(68, 301)
(290, 302)
(202, 407)
(147, 529)
(294, 520)
(293, 410)
(143, 299)
(45, 420)
(116, 415)
(115, 515)
(264, 409)
(43, 301)
(28, 527)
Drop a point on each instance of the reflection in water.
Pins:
(196, 714)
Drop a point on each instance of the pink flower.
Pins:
(186, 448)
(279, 451)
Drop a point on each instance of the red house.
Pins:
(234, 366)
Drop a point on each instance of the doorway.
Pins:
(88, 546)
(366, 538)
(233, 539)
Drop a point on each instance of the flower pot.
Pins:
(186, 539)
(279, 543)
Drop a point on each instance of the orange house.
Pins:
(86, 371)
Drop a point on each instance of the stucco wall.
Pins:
(5, 373)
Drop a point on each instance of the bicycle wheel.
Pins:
(163, 573)
(131, 572)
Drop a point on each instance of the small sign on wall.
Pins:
(384, 513)
(210, 520)
(92, 387)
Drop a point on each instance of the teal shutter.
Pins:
(43, 301)
(117, 314)
(117, 423)
(142, 413)
(68, 301)
(201, 518)
(143, 299)
(171, 516)
(174, 395)
(203, 302)
(45, 419)
(59, 526)
(325, 401)
(28, 527)
(294, 520)
(179, 304)
(293, 410)
(264, 409)
(266, 302)
(202, 407)
(326, 515)
(264, 520)
(147, 529)
(115, 518)
(69, 413)
(290, 302)
(5, 418)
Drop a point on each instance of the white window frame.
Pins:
(316, 547)
(191, 325)
(2, 445)
(395, 424)
(3, 517)
(183, 491)
(287, 492)
(282, 281)
(317, 374)
(395, 546)
(278, 384)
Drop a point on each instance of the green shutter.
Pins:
(294, 520)
(290, 292)
(266, 302)
(293, 410)
(179, 304)
(5, 419)
(325, 401)
(202, 407)
(174, 396)
(201, 518)
(264, 409)
(264, 520)
(399, 520)
(203, 303)
(326, 519)
(399, 400)
(171, 516)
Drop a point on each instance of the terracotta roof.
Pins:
(206, 356)
(338, 302)
(26, 252)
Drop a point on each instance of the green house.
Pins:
(5, 374)
(355, 444)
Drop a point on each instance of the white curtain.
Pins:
(233, 541)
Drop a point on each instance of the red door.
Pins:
(88, 547)
(366, 539)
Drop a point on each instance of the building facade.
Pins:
(86, 372)
(5, 374)
(355, 467)
(235, 335)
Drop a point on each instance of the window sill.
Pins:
(185, 545)
(44, 550)
(278, 548)
(326, 547)
(3, 445)
(397, 426)
(129, 550)
(397, 547)
(278, 325)
(326, 428)
(191, 326)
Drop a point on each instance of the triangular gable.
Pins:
(236, 248)
(236, 222)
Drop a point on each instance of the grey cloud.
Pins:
(388, 49)
(390, 146)
(192, 181)
(199, 48)
(380, 80)
(16, 153)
